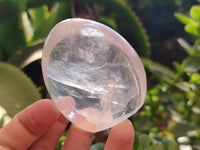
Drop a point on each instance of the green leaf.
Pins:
(192, 64)
(145, 123)
(161, 71)
(187, 47)
(136, 145)
(60, 12)
(169, 144)
(178, 67)
(129, 24)
(60, 142)
(195, 78)
(98, 146)
(183, 86)
(16, 89)
(38, 15)
(195, 12)
(181, 128)
(192, 29)
(11, 35)
(185, 19)
(27, 28)
(196, 49)
(156, 67)
(109, 22)
(6, 9)
(28, 55)
(148, 143)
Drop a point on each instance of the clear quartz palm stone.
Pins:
(93, 75)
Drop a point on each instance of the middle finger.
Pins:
(52, 136)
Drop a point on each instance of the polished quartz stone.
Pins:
(93, 75)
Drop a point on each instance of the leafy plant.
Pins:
(191, 23)
(17, 90)
(174, 94)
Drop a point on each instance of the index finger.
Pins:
(27, 126)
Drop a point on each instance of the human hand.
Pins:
(39, 127)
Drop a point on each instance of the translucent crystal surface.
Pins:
(93, 75)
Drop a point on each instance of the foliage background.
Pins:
(166, 35)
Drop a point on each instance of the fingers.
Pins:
(77, 139)
(121, 137)
(29, 125)
(49, 140)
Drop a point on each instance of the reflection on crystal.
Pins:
(91, 32)
(91, 80)
(71, 115)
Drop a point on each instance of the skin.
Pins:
(39, 127)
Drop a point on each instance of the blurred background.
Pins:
(165, 34)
